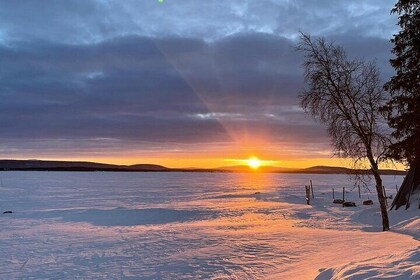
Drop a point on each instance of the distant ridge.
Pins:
(329, 169)
(51, 165)
(311, 170)
(343, 170)
(151, 167)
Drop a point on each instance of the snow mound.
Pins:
(397, 266)
(410, 227)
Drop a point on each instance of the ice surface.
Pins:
(120, 216)
(77, 225)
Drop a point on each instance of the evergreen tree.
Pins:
(403, 109)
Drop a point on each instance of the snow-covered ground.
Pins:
(71, 225)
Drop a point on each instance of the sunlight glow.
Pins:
(253, 162)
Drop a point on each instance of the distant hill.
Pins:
(23, 164)
(327, 169)
(151, 167)
(50, 165)
(310, 170)
(343, 170)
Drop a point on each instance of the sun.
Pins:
(253, 162)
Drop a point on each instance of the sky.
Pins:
(183, 83)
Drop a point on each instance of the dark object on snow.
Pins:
(410, 185)
(8, 212)
(338, 201)
(349, 204)
(368, 202)
(308, 194)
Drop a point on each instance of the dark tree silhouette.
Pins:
(403, 109)
(345, 95)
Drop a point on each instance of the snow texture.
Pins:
(100, 225)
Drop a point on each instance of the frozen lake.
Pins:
(84, 225)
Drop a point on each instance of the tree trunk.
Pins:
(381, 198)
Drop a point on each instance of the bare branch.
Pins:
(345, 95)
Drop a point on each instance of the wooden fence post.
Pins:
(344, 190)
(312, 189)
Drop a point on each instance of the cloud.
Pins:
(87, 21)
(106, 76)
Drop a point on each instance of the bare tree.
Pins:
(346, 94)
